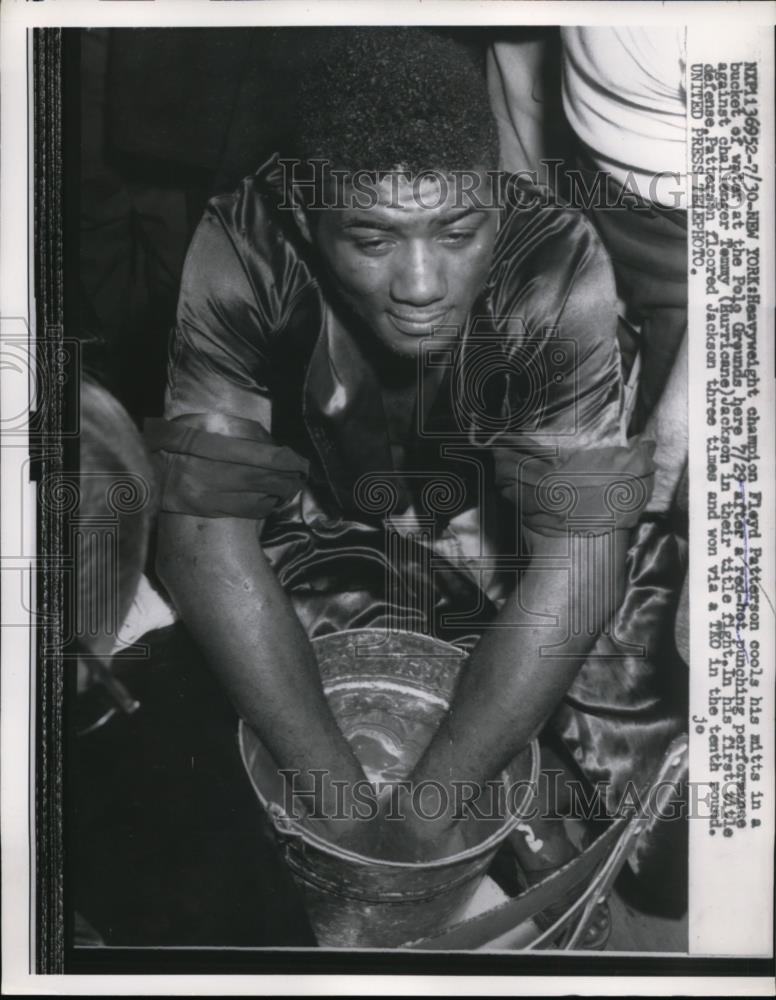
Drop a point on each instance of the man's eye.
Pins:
(458, 236)
(374, 245)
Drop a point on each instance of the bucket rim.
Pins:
(293, 829)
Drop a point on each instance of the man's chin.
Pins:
(407, 344)
(403, 346)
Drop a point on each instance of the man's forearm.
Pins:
(514, 678)
(231, 601)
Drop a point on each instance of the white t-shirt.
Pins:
(624, 95)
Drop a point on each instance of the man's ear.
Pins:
(300, 217)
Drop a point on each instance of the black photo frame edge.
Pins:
(55, 153)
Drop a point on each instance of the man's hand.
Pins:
(396, 832)
(409, 828)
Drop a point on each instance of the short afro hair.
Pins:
(381, 99)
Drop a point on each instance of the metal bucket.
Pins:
(388, 693)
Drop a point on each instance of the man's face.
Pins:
(414, 261)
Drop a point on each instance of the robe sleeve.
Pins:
(213, 450)
(571, 466)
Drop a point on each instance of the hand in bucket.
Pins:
(406, 833)
(396, 832)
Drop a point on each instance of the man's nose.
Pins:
(420, 279)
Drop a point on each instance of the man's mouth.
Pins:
(416, 324)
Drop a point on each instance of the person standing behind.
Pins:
(623, 96)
